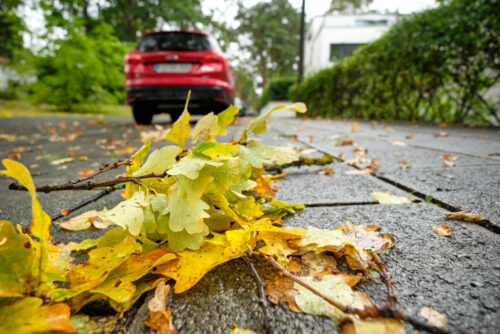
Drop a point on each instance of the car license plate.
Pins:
(173, 67)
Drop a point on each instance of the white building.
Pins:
(332, 37)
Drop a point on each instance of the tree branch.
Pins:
(374, 311)
(261, 290)
(105, 167)
(89, 185)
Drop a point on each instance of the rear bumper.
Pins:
(202, 95)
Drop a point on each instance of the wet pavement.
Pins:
(459, 276)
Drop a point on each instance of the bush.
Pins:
(277, 90)
(80, 69)
(431, 66)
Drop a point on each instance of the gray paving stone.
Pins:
(311, 188)
(459, 276)
(475, 189)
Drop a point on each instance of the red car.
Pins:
(165, 65)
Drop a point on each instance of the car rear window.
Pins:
(175, 41)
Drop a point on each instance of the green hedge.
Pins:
(277, 90)
(431, 66)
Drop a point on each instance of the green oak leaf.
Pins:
(158, 161)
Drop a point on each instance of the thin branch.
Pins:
(89, 185)
(386, 278)
(374, 311)
(261, 290)
(105, 167)
(86, 202)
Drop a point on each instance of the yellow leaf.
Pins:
(388, 198)
(206, 128)
(237, 330)
(27, 315)
(193, 265)
(225, 118)
(433, 317)
(374, 326)
(179, 133)
(354, 126)
(40, 222)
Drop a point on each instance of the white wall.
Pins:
(339, 29)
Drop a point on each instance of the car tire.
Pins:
(142, 114)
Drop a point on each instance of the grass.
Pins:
(23, 109)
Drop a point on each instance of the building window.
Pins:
(339, 51)
(366, 22)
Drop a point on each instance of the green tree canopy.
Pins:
(269, 31)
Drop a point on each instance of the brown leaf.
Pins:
(448, 157)
(375, 163)
(433, 317)
(448, 163)
(159, 318)
(443, 230)
(441, 134)
(311, 139)
(373, 124)
(360, 150)
(327, 171)
(410, 136)
(404, 164)
(346, 142)
(465, 216)
(64, 212)
(85, 172)
(388, 128)
(70, 154)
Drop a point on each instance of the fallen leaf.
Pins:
(346, 142)
(83, 158)
(341, 155)
(375, 163)
(441, 134)
(443, 230)
(366, 170)
(448, 176)
(327, 171)
(354, 126)
(360, 150)
(127, 150)
(70, 154)
(61, 161)
(388, 128)
(448, 157)
(465, 216)
(434, 317)
(237, 330)
(159, 318)
(404, 164)
(64, 212)
(397, 143)
(444, 125)
(388, 198)
(448, 163)
(311, 138)
(373, 124)
(86, 172)
(410, 136)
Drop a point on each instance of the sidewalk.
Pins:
(459, 276)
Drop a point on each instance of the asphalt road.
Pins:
(459, 276)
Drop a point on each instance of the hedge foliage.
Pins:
(432, 66)
(277, 90)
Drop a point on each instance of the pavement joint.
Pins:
(485, 223)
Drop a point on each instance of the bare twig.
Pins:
(374, 311)
(386, 278)
(89, 185)
(102, 169)
(261, 290)
(85, 202)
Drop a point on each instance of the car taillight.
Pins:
(211, 63)
(132, 59)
